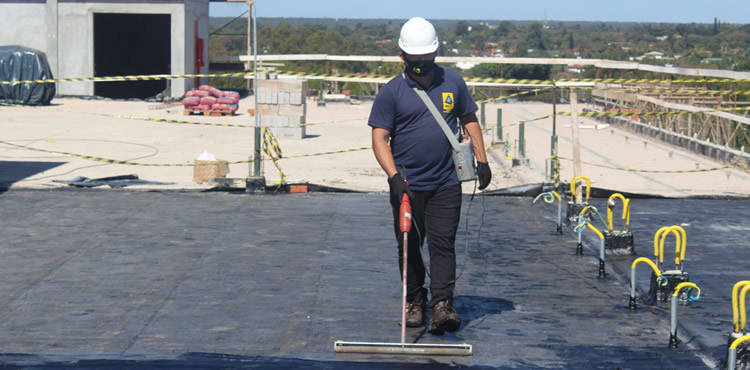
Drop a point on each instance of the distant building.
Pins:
(576, 68)
(652, 54)
(113, 38)
(465, 65)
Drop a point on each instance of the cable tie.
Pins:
(662, 280)
(695, 298)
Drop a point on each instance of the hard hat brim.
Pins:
(418, 50)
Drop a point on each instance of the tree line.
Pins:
(713, 46)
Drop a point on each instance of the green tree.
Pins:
(462, 28)
(535, 37)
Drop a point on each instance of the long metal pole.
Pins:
(499, 127)
(555, 169)
(256, 159)
(577, 169)
(403, 293)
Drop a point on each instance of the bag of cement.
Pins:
(191, 101)
(214, 91)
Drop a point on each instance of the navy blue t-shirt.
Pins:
(417, 141)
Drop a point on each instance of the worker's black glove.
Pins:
(484, 174)
(398, 187)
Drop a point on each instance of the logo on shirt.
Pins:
(448, 102)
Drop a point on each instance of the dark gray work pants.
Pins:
(436, 216)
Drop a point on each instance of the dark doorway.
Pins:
(131, 44)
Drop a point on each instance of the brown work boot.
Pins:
(444, 318)
(416, 313)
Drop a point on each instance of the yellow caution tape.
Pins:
(272, 149)
(271, 144)
(377, 77)
(113, 161)
(514, 95)
(127, 78)
(164, 120)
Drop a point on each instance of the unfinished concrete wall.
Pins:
(282, 105)
(24, 24)
(63, 29)
(76, 39)
(195, 10)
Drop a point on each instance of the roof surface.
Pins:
(231, 280)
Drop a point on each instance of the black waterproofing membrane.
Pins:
(19, 63)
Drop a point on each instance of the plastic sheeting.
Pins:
(19, 63)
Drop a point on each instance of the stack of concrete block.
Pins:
(282, 106)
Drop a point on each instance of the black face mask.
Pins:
(421, 67)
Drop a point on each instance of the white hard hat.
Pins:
(418, 37)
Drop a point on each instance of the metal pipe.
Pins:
(735, 306)
(555, 169)
(554, 112)
(574, 182)
(602, 273)
(732, 358)
(632, 303)
(681, 241)
(499, 127)
(407, 349)
(673, 321)
(625, 211)
(659, 256)
(601, 248)
(559, 214)
(743, 317)
(256, 159)
(673, 324)
(522, 140)
(483, 122)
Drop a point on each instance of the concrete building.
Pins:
(97, 38)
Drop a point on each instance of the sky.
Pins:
(666, 11)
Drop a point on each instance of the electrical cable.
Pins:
(227, 24)
(466, 234)
(466, 231)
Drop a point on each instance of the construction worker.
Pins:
(416, 155)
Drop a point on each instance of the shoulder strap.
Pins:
(438, 117)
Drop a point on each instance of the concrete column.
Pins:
(51, 50)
